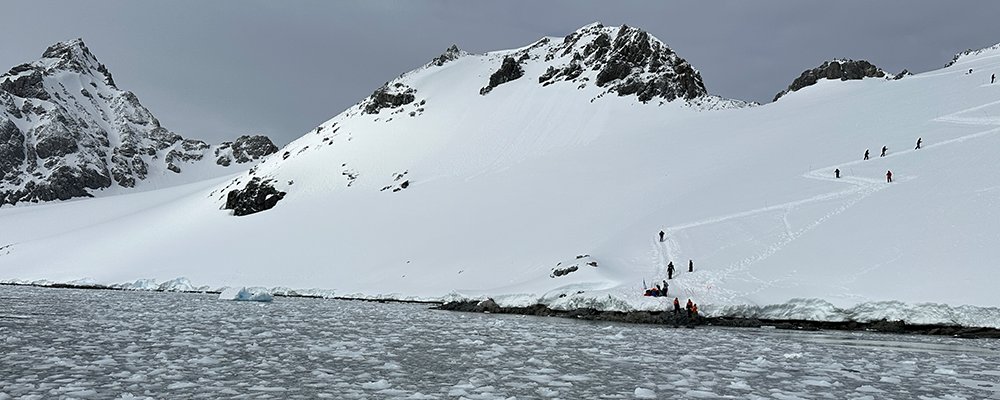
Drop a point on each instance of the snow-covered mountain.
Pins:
(66, 130)
(534, 175)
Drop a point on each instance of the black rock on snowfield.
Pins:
(837, 69)
(258, 195)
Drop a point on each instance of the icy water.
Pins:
(58, 343)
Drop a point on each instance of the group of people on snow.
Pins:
(888, 173)
(670, 268)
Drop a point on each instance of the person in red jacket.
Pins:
(677, 306)
(888, 176)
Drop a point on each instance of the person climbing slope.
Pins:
(670, 270)
(662, 236)
(690, 265)
(884, 149)
(866, 154)
(919, 140)
(888, 176)
(836, 173)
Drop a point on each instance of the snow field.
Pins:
(507, 187)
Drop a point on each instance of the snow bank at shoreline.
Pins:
(799, 309)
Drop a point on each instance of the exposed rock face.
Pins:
(837, 69)
(509, 70)
(629, 62)
(451, 54)
(258, 195)
(245, 149)
(59, 141)
(388, 96)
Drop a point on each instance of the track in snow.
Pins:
(705, 284)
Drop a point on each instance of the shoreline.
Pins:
(681, 320)
(668, 318)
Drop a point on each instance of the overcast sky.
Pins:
(214, 70)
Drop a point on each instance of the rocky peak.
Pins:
(628, 61)
(835, 69)
(450, 54)
(60, 141)
(73, 55)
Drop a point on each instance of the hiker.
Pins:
(919, 140)
(665, 288)
(670, 270)
(888, 176)
(884, 149)
(694, 310)
(836, 173)
(655, 292)
(970, 70)
(677, 306)
(690, 265)
(661, 236)
(866, 154)
(688, 306)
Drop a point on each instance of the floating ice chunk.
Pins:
(181, 385)
(380, 384)
(246, 294)
(742, 385)
(643, 393)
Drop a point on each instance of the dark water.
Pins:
(62, 343)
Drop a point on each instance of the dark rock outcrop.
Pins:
(629, 61)
(509, 70)
(451, 54)
(838, 69)
(388, 96)
(258, 195)
(244, 149)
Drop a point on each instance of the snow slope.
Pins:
(504, 188)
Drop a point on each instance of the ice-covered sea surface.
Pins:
(60, 343)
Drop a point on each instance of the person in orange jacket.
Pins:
(677, 306)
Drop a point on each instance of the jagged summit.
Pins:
(450, 54)
(842, 69)
(624, 61)
(72, 53)
(66, 130)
